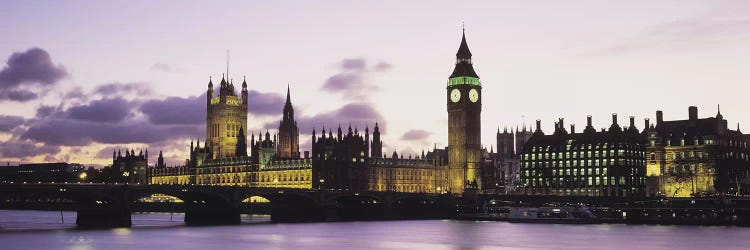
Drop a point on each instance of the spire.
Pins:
(288, 99)
(244, 82)
(288, 109)
(210, 83)
(463, 60)
(463, 49)
(718, 111)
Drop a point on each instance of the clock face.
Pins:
(455, 95)
(473, 95)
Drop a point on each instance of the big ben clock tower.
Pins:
(464, 98)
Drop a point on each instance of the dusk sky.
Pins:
(80, 78)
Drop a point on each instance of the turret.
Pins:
(367, 141)
(244, 91)
(376, 149)
(210, 92)
(313, 136)
(339, 136)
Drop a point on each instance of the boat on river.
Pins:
(554, 215)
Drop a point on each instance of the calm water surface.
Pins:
(46, 230)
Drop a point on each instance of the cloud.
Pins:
(18, 95)
(24, 149)
(44, 111)
(117, 121)
(105, 110)
(383, 66)
(75, 93)
(416, 135)
(163, 67)
(726, 23)
(265, 104)
(33, 67)
(68, 132)
(352, 82)
(357, 114)
(117, 88)
(7, 123)
(176, 110)
(357, 64)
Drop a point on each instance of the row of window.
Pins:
(586, 146)
(584, 154)
(584, 163)
(582, 181)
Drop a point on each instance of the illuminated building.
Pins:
(224, 160)
(697, 157)
(591, 163)
(464, 104)
(226, 116)
(288, 132)
(341, 162)
(130, 168)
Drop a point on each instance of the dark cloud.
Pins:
(416, 135)
(176, 110)
(105, 110)
(32, 67)
(24, 149)
(163, 67)
(18, 95)
(7, 123)
(117, 88)
(357, 114)
(69, 132)
(44, 111)
(265, 104)
(351, 81)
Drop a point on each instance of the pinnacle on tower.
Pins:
(463, 60)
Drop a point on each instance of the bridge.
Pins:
(108, 205)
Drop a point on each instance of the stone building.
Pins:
(605, 163)
(130, 168)
(226, 116)
(341, 162)
(696, 157)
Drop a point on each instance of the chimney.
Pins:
(538, 125)
(572, 128)
(614, 118)
(659, 117)
(588, 121)
(693, 113)
(632, 122)
(307, 154)
(646, 123)
(562, 124)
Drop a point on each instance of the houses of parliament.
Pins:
(344, 159)
(681, 158)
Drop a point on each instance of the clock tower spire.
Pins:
(464, 104)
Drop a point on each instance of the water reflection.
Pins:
(45, 230)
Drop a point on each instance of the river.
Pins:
(46, 230)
